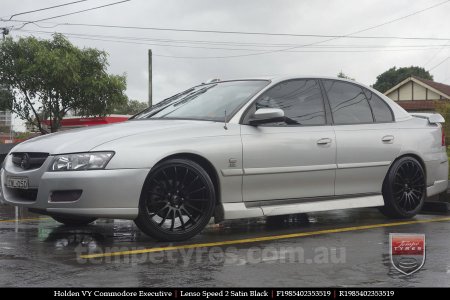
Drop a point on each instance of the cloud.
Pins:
(317, 17)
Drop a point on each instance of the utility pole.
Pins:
(150, 83)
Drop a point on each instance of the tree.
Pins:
(342, 75)
(132, 107)
(6, 97)
(48, 78)
(393, 76)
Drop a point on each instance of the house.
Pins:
(418, 94)
(5, 118)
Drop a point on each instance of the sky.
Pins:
(362, 59)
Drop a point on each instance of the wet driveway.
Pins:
(341, 248)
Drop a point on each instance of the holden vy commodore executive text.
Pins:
(235, 149)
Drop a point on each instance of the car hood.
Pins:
(85, 139)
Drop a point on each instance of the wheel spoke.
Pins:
(157, 213)
(399, 178)
(161, 185)
(402, 198)
(193, 207)
(157, 194)
(417, 173)
(184, 177)
(180, 216)
(168, 181)
(173, 220)
(165, 217)
(153, 203)
(198, 200)
(197, 190)
(417, 180)
(191, 218)
(191, 183)
(398, 192)
(176, 177)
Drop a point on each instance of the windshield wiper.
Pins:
(185, 99)
(162, 103)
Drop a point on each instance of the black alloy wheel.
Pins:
(177, 201)
(404, 189)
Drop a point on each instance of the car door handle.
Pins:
(387, 138)
(324, 141)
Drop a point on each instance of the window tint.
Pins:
(381, 111)
(206, 102)
(301, 101)
(348, 103)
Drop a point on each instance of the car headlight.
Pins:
(81, 161)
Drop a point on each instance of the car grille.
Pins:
(29, 160)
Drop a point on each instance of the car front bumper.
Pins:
(104, 193)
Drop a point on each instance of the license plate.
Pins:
(17, 182)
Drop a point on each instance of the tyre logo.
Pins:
(407, 252)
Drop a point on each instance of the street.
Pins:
(339, 248)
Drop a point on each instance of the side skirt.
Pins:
(242, 210)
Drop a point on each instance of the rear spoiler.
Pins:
(433, 118)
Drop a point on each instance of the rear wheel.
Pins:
(404, 189)
(73, 220)
(177, 201)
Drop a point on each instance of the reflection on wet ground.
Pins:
(37, 251)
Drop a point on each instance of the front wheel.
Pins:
(404, 189)
(73, 220)
(177, 201)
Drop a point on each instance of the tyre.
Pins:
(177, 201)
(404, 189)
(73, 220)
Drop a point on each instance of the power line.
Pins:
(46, 8)
(233, 32)
(435, 55)
(231, 43)
(362, 30)
(403, 17)
(256, 33)
(75, 12)
(87, 37)
(444, 60)
(247, 32)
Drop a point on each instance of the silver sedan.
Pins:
(236, 149)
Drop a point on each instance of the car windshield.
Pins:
(211, 102)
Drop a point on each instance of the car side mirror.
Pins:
(267, 115)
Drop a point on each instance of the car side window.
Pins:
(301, 101)
(348, 102)
(381, 111)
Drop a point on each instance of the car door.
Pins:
(367, 141)
(291, 159)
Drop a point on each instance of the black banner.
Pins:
(214, 293)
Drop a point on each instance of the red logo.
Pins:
(407, 252)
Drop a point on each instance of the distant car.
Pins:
(236, 149)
